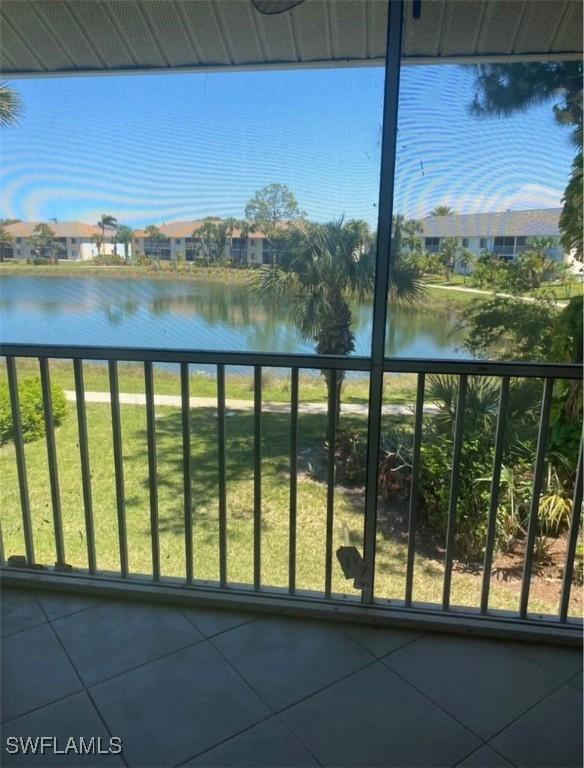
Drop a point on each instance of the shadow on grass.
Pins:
(239, 454)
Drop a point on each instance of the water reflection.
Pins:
(192, 314)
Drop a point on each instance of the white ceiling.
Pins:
(77, 36)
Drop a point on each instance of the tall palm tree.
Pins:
(6, 240)
(246, 228)
(506, 89)
(157, 238)
(442, 210)
(125, 235)
(323, 267)
(107, 222)
(10, 106)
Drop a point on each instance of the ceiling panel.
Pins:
(61, 36)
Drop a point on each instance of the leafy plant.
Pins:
(31, 409)
(473, 499)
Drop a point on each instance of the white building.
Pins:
(73, 241)
(181, 242)
(505, 234)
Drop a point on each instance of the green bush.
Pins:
(108, 260)
(473, 499)
(39, 261)
(31, 409)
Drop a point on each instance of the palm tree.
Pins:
(505, 89)
(106, 222)
(10, 106)
(246, 228)
(125, 235)
(442, 210)
(323, 267)
(6, 240)
(157, 238)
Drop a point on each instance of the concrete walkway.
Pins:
(358, 409)
(530, 299)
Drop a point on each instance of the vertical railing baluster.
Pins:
(187, 487)
(118, 465)
(536, 491)
(152, 468)
(495, 482)
(572, 540)
(454, 481)
(222, 479)
(52, 461)
(85, 467)
(413, 516)
(293, 480)
(2, 556)
(20, 460)
(331, 475)
(257, 476)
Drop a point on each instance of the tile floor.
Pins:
(204, 687)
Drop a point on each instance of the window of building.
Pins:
(484, 243)
(73, 239)
(432, 244)
(504, 241)
(177, 240)
(465, 242)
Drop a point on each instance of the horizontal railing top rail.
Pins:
(294, 360)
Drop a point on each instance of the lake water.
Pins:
(190, 314)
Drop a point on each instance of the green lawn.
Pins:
(348, 522)
(184, 271)
(276, 388)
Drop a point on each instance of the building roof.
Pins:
(60, 228)
(61, 36)
(543, 221)
(186, 228)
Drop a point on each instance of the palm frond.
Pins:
(10, 106)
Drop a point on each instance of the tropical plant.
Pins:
(31, 409)
(571, 224)
(157, 238)
(449, 253)
(442, 210)
(107, 222)
(125, 235)
(246, 228)
(323, 268)
(503, 89)
(43, 242)
(10, 106)
(6, 240)
(509, 328)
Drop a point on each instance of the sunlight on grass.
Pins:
(349, 505)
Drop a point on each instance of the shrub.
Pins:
(39, 261)
(31, 409)
(473, 498)
(108, 260)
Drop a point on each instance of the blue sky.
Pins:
(157, 148)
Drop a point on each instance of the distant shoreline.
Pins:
(90, 270)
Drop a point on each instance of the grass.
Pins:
(348, 513)
(276, 388)
(87, 268)
(450, 300)
(559, 292)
